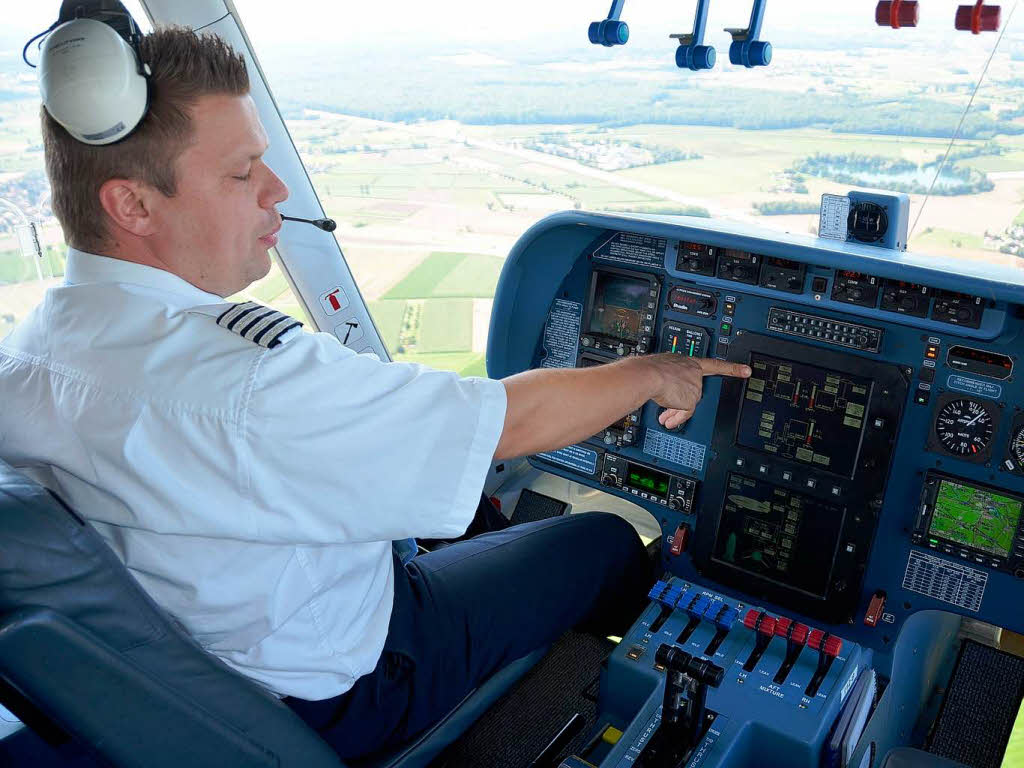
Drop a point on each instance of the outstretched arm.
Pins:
(550, 408)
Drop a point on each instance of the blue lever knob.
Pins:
(750, 53)
(695, 57)
(608, 32)
(659, 587)
(727, 618)
(698, 608)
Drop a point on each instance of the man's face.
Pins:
(216, 230)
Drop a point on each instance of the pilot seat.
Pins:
(90, 663)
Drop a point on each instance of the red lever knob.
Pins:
(833, 646)
(799, 634)
(767, 626)
(814, 639)
(896, 14)
(750, 620)
(782, 625)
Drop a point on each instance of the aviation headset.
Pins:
(92, 79)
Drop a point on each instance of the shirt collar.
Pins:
(84, 267)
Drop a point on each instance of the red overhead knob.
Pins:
(977, 18)
(896, 13)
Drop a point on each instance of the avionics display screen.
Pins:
(804, 413)
(618, 306)
(644, 477)
(776, 534)
(975, 517)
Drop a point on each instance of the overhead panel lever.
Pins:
(692, 53)
(611, 31)
(746, 48)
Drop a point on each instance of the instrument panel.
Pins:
(871, 467)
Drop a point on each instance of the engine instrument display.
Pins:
(975, 517)
(619, 307)
(777, 534)
(688, 340)
(804, 413)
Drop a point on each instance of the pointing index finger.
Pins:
(711, 366)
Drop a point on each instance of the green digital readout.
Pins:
(646, 478)
(975, 517)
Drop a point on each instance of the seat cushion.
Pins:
(49, 557)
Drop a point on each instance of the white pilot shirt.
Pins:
(253, 492)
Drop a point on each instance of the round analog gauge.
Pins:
(964, 427)
(1017, 445)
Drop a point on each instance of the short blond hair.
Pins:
(184, 66)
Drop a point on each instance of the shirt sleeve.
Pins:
(340, 447)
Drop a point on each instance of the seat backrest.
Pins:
(52, 560)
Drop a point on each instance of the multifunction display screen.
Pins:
(975, 517)
(776, 534)
(618, 307)
(804, 413)
(645, 477)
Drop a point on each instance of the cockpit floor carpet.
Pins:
(980, 707)
(520, 724)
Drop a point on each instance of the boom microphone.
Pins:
(327, 225)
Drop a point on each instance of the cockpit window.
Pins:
(437, 135)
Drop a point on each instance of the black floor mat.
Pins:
(536, 506)
(520, 724)
(980, 707)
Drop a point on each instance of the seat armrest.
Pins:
(92, 693)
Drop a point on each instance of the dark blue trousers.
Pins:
(463, 612)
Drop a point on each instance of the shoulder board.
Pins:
(257, 323)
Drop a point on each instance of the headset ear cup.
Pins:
(91, 82)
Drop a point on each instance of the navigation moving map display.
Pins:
(804, 413)
(777, 534)
(619, 305)
(975, 517)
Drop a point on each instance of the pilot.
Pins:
(252, 476)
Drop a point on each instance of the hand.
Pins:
(683, 383)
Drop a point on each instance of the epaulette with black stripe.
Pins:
(257, 323)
